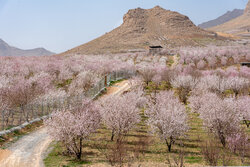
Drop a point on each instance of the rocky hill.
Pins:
(144, 27)
(230, 15)
(6, 50)
(247, 10)
(239, 26)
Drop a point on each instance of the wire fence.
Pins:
(28, 113)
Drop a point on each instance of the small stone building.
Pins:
(153, 50)
(245, 64)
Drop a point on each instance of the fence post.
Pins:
(114, 76)
(12, 118)
(48, 106)
(32, 111)
(2, 119)
(42, 108)
(105, 81)
(37, 110)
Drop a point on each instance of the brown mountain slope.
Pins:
(239, 26)
(144, 27)
(230, 15)
(247, 10)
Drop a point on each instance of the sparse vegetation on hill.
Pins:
(144, 27)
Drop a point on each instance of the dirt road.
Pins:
(28, 151)
(118, 88)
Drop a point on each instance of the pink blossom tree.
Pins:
(237, 84)
(244, 72)
(213, 83)
(83, 81)
(238, 143)
(120, 113)
(147, 73)
(224, 61)
(167, 117)
(73, 126)
(184, 84)
(220, 116)
(198, 98)
(201, 64)
(243, 107)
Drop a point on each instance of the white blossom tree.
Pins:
(147, 73)
(219, 116)
(184, 84)
(120, 113)
(73, 126)
(237, 84)
(243, 108)
(167, 117)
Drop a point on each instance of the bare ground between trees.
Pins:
(29, 150)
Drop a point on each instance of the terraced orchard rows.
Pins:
(180, 114)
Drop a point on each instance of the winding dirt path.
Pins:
(28, 151)
(118, 88)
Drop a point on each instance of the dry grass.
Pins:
(226, 35)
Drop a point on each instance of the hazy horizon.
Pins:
(60, 25)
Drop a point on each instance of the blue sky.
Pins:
(59, 25)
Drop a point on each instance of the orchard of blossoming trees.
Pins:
(212, 57)
(163, 102)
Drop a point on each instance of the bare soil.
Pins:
(26, 152)
(118, 88)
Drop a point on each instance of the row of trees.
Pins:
(213, 56)
(220, 97)
(26, 81)
(118, 113)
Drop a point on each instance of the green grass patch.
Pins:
(193, 160)
(149, 146)
(111, 83)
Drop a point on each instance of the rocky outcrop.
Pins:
(247, 10)
(144, 27)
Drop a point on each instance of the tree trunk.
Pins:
(222, 139)
(169, 144)
(169, 147)
(112, 135)
(79, 155)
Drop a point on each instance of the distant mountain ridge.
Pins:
(230, 15)
(239, 26)
(6, 50)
